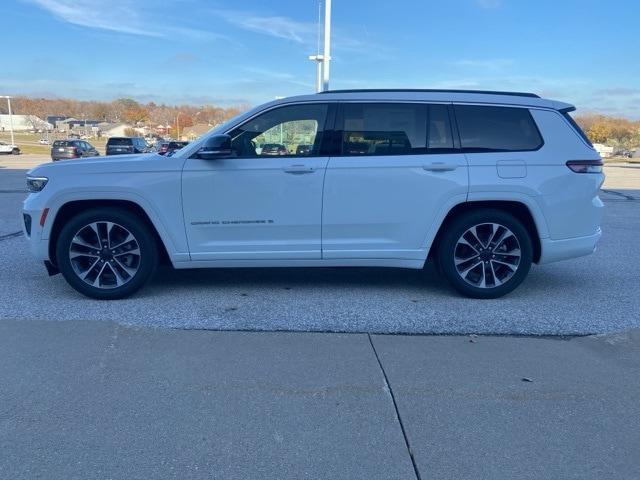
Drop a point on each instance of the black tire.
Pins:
(447, 251)
(15, 151)
(147, 262)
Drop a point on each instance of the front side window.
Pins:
(383, 128)
(496, 129)
(294, 130)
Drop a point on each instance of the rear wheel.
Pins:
(106, 253)
(15, 151)
(485, 253)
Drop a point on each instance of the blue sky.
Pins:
(229, 52)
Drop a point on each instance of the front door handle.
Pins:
(439, 167)
(298, 169)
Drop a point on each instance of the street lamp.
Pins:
(322, 60)
(10, 116)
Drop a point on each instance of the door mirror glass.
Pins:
(216, 146)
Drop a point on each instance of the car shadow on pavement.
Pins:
(345, 277)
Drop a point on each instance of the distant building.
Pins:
(604, 150)
(23, 123)
(114, 130)
(53, 119)
(195, 131)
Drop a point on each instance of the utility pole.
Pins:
(326, 54)
(322, 59)
(10, 117)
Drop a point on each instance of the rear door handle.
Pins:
(440, 167)
(298, 169)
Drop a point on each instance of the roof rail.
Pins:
(433, 90)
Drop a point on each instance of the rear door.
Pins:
(396, 170)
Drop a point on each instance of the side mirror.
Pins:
(217, 146)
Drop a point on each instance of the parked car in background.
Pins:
(273, 149)
(43, 141)
(303, 149)
(124, 145)
(170, 146)
(9, 149)
(72, 148)
(482, 184)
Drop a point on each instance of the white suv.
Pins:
(481, 183)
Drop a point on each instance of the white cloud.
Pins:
(304, 33)
(117, 15)
(274, 26)
(121, 16)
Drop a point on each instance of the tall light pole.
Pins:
(10, 116)
(326, 54)
(322, 59)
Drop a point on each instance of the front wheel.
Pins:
(15, 151)
(106, 253)
(485, 253)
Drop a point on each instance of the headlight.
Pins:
(36, 184)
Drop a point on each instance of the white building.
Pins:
(22, 123)
(604, 150)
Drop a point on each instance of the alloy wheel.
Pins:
(104, 255)
(487, 255)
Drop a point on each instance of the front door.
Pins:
(265, 202)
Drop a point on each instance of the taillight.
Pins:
(585, 166)
(76, 152)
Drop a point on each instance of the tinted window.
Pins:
(496, 128)
(383, 128)
(119, 141)
(63, 143)
(286, 127)
(440, 136)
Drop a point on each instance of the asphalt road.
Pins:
(593, 294)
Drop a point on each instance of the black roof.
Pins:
(434, 90)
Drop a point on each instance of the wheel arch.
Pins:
(516, 208)
(73, 207)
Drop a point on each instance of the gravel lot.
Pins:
(593, 294)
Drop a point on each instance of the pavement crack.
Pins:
(10, 235)
(620, 194)
(388, 388)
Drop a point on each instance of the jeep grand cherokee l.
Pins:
(482, 183)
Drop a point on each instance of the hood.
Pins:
(151, 162)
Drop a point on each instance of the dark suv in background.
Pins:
(123, 145)
(170, 146)
(65, 149)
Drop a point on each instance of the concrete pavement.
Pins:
(84, 400)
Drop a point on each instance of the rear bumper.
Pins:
(556, 250)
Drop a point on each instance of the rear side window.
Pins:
(496, 129)
(383, 128)
(119, 141)
(439, 135)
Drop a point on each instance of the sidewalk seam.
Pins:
(395, 407)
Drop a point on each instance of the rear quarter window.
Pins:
(496, 129)
(577, 128)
